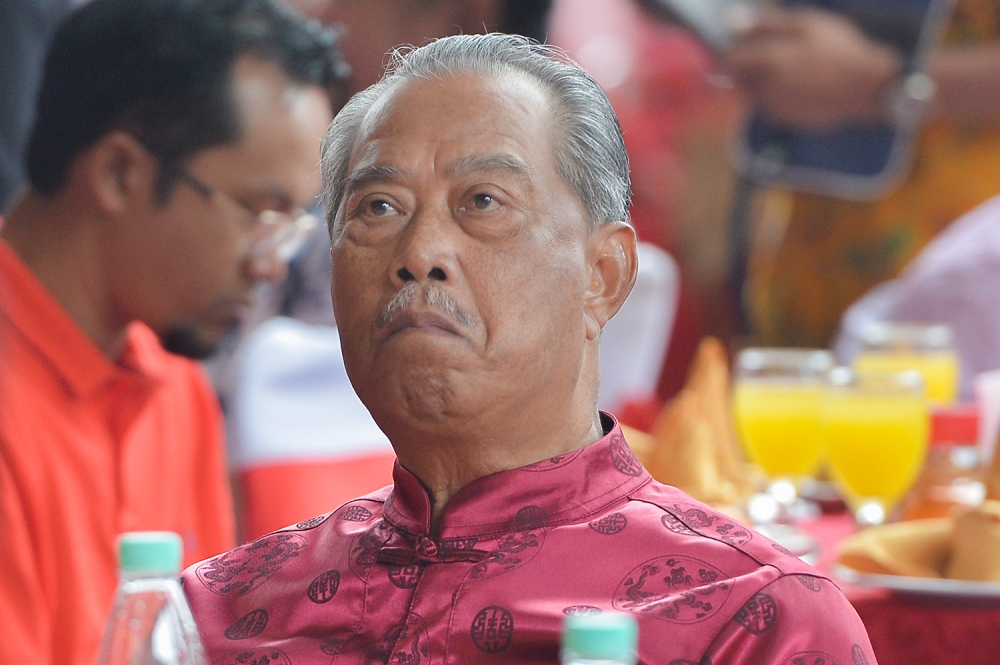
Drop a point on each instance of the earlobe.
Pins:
(117, 170)
(613, 265)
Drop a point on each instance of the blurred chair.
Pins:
(635, 341)
(302, 443)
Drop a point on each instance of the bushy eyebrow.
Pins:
(493, 162)
(372, 173)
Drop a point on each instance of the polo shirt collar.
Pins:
(31, 309)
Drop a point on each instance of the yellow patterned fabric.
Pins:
(814, 255)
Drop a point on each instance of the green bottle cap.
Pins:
(608, 636)
(157, 552)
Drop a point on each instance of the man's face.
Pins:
(187, 269)
(454, 207)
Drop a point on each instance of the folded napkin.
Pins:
(694, 445)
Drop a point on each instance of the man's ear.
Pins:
(117, 171)
(612, 264)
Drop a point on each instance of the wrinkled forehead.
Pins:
(466, 111)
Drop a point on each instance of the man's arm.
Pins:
(812, 69)
(796, 616)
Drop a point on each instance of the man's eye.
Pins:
(483, 201)
(380, 208)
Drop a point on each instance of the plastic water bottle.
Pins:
(608, 638)
(150, 623)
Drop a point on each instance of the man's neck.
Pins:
(446, 462)
(61, 247)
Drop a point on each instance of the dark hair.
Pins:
(527, 18)
(161, 70)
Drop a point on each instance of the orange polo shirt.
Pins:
(90, 448)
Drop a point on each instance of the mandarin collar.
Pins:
(559, 490)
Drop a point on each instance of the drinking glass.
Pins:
(927, 348)
(875, 426)
(777, 397)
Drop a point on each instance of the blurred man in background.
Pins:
(808, 69)
(174, 146)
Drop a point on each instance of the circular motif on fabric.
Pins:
(581, 610)
(609, 525)
(553, 463)
(688, 519)
(811, 658)
(858, 655)
(355, 513)
(623, 458)
(237, 572)
(512, 550)
(405, 643)
(781, 548)
(365, 547)
(324, 588)
(530, 517)
(332, 647)
(758, 615)
(676, 588)
(404, 577)
(255, 657)
(312, 523)
(492, 629)
(809, 582)
(247, 626)
(672, 523)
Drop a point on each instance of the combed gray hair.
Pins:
(590, 151)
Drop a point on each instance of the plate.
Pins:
(922, 586)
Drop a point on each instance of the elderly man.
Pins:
(477, 199)
(174, 143)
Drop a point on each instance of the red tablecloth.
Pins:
(907, 629)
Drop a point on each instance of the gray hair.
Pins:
(590, 151)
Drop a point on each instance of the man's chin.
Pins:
(188, 342)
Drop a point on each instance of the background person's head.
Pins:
(478, 201)
(175, 122)
(372, 28)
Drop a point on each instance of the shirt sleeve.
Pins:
(795, 620)
(26, 622)
(965, 299)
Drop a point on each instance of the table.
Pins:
(908, 629)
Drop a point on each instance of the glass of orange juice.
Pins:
(777, 397)
(927, 348)
(875, 427)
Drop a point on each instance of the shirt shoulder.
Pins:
(685, 517)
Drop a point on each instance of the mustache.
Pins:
(433, 295)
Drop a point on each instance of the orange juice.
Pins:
(939, 369)
(876, 442)
(779, 425)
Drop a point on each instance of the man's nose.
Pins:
(427, 250)
(266, 266)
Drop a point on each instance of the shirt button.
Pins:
(426, 547)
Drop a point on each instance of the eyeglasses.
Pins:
(277, 233)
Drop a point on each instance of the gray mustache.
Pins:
(433, 296)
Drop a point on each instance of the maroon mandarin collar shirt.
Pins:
(588, 531)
